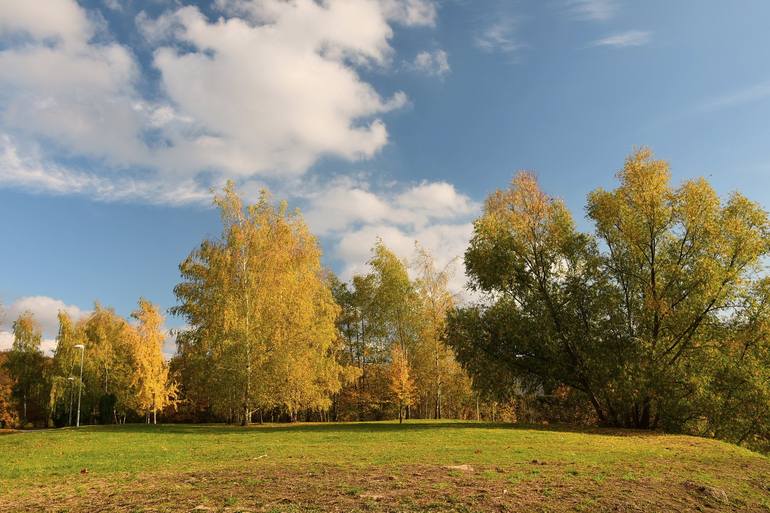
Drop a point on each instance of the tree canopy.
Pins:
(658, 318)
(261, 317)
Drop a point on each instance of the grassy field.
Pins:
(425, 466)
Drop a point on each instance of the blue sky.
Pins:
(391, 118)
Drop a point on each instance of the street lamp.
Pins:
(80, 387)
(69, 411)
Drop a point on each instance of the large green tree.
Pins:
(655, 319)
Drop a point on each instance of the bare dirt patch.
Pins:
(275, 489)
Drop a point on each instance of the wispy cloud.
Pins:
(28, 171)
(593, 10)
(751, 94)
(434, 64)
(499, 36)
(625, 39)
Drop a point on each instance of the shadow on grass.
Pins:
(361, 428)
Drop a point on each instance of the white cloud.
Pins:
(351, 217)
(45, 19)
(345, 202)
(261, 93)
(113, 5)
(446, 242)
(293, 98)
(47, 345)
(45, 310)
(625, 39)
(29, 171)
(58, 88)
(410, 12)
(499, 36)
(6, 340)
(292, 94)
(434, 63)
(594, 10)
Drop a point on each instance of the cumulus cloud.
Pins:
(625, 39)
(46, 310)
(347, 201)
(294, 96)
(267, 89)
(351, 217)
(259, 92)
(446, 242)
(434, 63)
(59, 87)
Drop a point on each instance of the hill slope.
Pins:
(444, 466)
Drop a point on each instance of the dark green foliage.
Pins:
(660, 319)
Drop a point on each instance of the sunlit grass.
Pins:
(501, 455)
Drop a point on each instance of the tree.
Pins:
(640, 319)
(9, 417)
(436, 370)
(396, 299)
(261, 316)
(401, 384)
(25, 360)
(380, 309)
(150, 380)
(109, 367)
(65, 358)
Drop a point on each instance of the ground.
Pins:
(418, 466)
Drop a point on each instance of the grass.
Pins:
(418, 466)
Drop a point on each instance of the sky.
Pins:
(377, 118)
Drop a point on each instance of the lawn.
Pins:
(418, 466)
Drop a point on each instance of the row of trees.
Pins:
(391, 328)
(124, 373)
(660, 318)
(270, 332)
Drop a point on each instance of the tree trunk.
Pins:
(154, 416)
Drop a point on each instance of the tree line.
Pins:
(657, 319)
(103, 365)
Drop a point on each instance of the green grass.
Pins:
(441, 466)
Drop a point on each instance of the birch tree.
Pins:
(150, 380)
(25, 360)
(436, 370)
(401, 383)
(261, 315)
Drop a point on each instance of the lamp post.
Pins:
(80, 386)
(72, 382)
